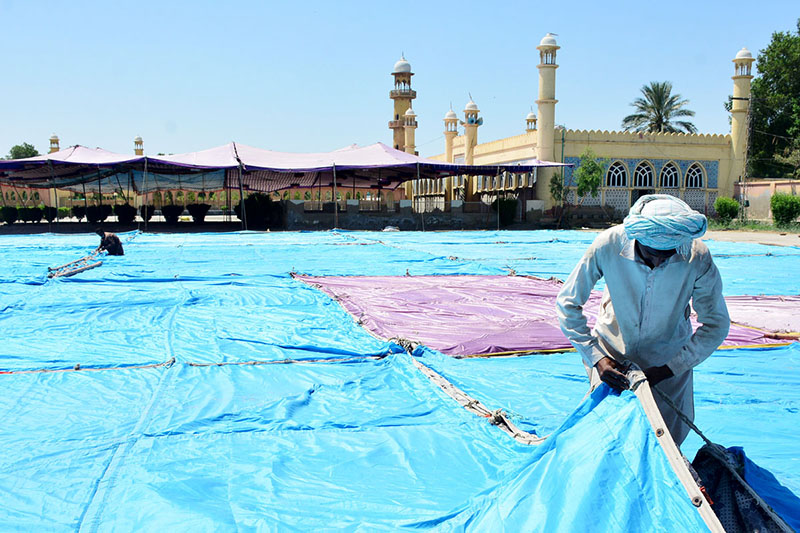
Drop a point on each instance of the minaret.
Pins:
(138, 146)
(54, 143)
(409, 126)
(450, 133)
(471, 124)
(742, 77)
(530, 122)
(402, 94)
(547, 113)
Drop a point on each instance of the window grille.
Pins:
(643, 176)
(669, 177)
(694, 177)
(617, 176)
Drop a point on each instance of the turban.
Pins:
(663, 222)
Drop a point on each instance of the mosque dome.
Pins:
(471, 106)
(548, 40)
(744, 53)
(137, 139)
(531, 116)
(402, 66)
(410, 113)
(450, 115)
(54, 137)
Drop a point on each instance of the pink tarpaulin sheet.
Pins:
(469, 315)
(775, 313)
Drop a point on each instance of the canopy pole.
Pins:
(85, 203)
(144, 190)
(498, 199)
(241, 200)
(55, 196)
(422, 213)
(335, 202)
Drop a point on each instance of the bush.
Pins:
(785, 208)
(30, 214)
(508, 210)
(78, 211)
(198, 212)
(9, 214)
(146, 212)
(171, 213)
(126, 213)
(726, 208)
(261, 211)
(97, 213)
(64, 212)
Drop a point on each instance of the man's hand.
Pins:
(657, 374)
(609, 372)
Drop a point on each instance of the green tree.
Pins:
(23, 150)
(589, 174)
(658, 110)
(775, 108)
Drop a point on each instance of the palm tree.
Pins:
(657, 111)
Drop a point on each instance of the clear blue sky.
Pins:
(315, 75)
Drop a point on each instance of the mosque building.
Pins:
(697, 168)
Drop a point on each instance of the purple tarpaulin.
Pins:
(470, 315)
(252, 168)
(773, 313)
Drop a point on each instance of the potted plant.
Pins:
(30, 214)
(78, 211)
(171, 213)
(126, 213)
(97, 213)
(9, 214)
(198, 212)
(50, 213)
(146, 212)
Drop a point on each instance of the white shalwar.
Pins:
(644, 314)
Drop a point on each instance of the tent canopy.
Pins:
(376, 166)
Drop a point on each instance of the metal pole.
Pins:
(498, 199)
(241, 200)
(144, 190)
(335, 201)
(422, 213)
(55, 194)
(85, 202)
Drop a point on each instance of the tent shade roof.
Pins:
(258, 169)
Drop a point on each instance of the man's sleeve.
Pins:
(569, 306)
(712, 313)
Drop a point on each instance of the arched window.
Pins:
(616, 176)
(670, 178)
(643, 176)
(694, 177)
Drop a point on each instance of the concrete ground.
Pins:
(218, 223)
(761, 237)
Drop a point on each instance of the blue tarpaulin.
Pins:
(186, 414)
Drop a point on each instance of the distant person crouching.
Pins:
(110, 243)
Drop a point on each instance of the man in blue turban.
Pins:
(654, 265)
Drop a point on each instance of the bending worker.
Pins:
(653, 265)
(110, 243)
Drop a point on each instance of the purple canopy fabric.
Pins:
(470, 315)
(376, 165)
